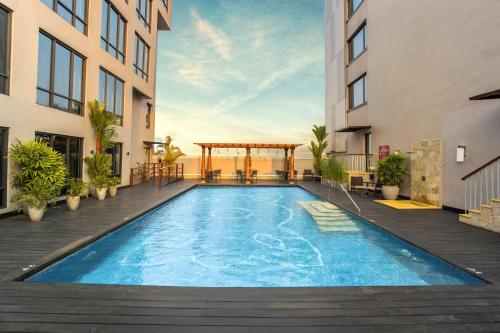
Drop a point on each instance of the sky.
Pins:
(241, 71)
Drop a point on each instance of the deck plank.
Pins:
(35, 307)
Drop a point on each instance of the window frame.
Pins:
(350, 10)
(4, 132)
(140, 71)
(350, 42)
(350, 87)
(74, 16)
(145, 20)
(119, 160)
(149, 112)
(114, 90)
(8, 45)
(39, 134)
(165, 4)
(51, 92)
(106, 39)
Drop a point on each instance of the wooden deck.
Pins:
(100, 308)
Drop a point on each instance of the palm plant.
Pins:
(168, 152)
(103, 123)
(99, 165)
(318, 148)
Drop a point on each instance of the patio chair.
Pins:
(308, 175)
(217, 174)
(376, 189)
(253, 175)
(239, 175)
(357, 184)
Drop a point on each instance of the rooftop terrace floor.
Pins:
(111, 308)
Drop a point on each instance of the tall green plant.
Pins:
(390, 171)
(168, 152)
(99, 168)
(103, 123)
(318, 148)
(41, 172)
(333, 169)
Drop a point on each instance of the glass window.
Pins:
(357, 92)
(143, 9)
(4, 142)
(141, 57)
(148, 116)
(70, 148)
(4, 50)
(354, 5)
(111, 93)
(357, 44)
(165, 3)
(113, 31)
(60, 76)
(73, 11)
(116, 159)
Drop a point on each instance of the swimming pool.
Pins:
(252, 237)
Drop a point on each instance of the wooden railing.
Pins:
(160, 171)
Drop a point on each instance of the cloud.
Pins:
(220, 42)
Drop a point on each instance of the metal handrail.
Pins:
(481, 168)
(352, 200)
(482, 186)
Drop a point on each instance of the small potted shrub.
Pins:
(391, 173)
(76, 189)
(39, 177)
(113, 183)
(100, 183)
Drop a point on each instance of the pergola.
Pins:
(248, 147)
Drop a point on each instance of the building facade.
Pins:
(399, 77)
(57, 55)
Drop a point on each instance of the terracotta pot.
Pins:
(73, 202)
(101, 193)
(35, 213)
(112, 191)
(390, 192)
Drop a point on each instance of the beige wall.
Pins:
(265, 166)
(19, 111)
(424, 60)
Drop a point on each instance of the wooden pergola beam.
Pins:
(249, 145)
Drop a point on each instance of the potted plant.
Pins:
(101, 186)
(318, 148)
(113, 183)
(391, 172)
(99, 169)
(76, 189)
(39, 178)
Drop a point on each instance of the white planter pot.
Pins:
(35, 213)
(390, 192)
(112, 191)
(73, 202)
(101, 193)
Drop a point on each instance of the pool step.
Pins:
(328, 217)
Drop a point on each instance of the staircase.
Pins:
(486, 217)
(482, 197)
(328, 217)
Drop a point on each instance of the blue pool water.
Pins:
(251, 237)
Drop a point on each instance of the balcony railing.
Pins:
(358, 162)
(482, 185)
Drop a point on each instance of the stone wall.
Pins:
(427, 172)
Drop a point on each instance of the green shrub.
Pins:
(41, 172)
(77, 187)
(333, 169)
(390, 171)
(99, 165)
(114, 181)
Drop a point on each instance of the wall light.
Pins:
(460, 154)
